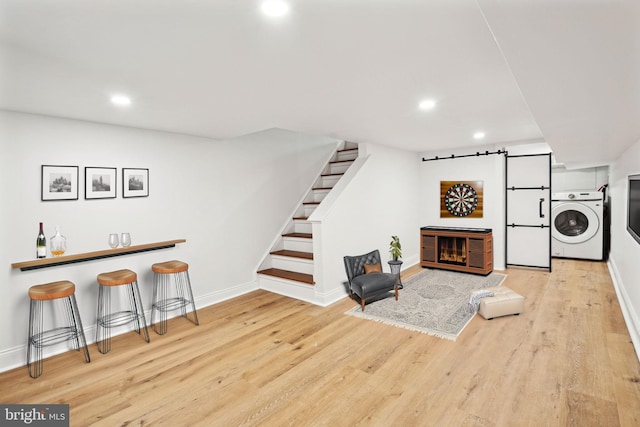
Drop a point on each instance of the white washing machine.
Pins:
(577, 224)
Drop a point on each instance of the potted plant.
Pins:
(395, 249)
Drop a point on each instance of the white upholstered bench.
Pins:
(503, 303)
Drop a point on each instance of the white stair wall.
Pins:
(344, 156)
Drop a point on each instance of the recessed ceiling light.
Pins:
(427, 104)
(120, 100)
(478, 135)
(275, 7)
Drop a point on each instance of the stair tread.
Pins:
(300, 235)
(311, 203)
(322, 188)
(289, 275)
(333, 162)
(293, 254)
(332, 174)
(300, 218)
(347, 149)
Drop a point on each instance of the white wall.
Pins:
(625, 251)
(213, 193)
(563, 179)
(490, 170)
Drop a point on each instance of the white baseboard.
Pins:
(630, 316)
(335, 295)
(17, 356)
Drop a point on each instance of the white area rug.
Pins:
(433, 302)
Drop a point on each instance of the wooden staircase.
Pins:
(291, 258)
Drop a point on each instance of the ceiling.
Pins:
(561, 71)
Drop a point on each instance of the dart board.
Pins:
(461, 199)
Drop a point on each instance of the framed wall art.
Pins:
(99, 183)
(135, 182)
(59, 183)
(461, 199)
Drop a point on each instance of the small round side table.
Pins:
(395, 269)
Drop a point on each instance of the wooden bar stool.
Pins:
(108, 319)
(163, 274)
(38, 338)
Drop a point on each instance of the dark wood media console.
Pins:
(469, 250)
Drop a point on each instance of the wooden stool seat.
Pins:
(170, 267)
(117, 278)
(53, 290)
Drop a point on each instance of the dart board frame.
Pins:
(461, 199)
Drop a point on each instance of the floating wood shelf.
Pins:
(90, 256)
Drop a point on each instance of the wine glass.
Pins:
(125, 240)
(113, 240)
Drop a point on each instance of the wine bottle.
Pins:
(41, 244)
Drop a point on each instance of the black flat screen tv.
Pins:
(633, 203)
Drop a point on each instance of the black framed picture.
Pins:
(135, 182)
(99, 183)
(59, 183)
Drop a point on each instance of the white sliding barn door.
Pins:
(528, 210)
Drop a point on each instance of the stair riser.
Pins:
(292, 264)
(338, 167)
(302, 245)
(329, 181)
(297, 290)
(308, 209)
(347, 155)
(319, 195)
(302, 227)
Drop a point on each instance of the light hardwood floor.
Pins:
(263, 359)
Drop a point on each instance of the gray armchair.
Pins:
(368, 285)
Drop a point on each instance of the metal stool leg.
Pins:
(154, 306)
(187, 286)
(180, 291)
(159, 303)
(76, 323)
(34, 350)
(71, 321)
(103, 332)
(138, 310)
